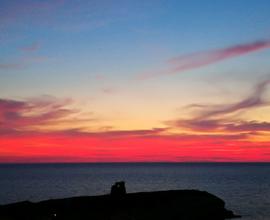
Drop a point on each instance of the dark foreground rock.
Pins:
(160, 205)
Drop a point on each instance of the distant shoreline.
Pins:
(169, 204)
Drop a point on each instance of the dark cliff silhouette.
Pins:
(119, 205)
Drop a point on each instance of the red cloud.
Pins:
(200, 59)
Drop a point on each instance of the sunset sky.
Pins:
(131, 81)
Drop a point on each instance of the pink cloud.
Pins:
(16, 115)
(209, 125)
(109, 90)
(22, 62)
(200, 59)
(255, 99)
(217, 117)
(19, 10)
(248, 126)
(31, 48)
(7, 66)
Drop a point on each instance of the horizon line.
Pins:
(139, 162)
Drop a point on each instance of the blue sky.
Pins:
(83, 49)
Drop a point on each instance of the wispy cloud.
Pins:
(213, 118)
(200, 59)
(248, 126)
(255, 99)
(62, 15)
(26, 114)
(16, 11)
(31, 48)
(22, 62)
(11, 66)
(109, 90)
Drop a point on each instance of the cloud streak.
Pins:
(217, 117)
(17, 11)
(24, 115)
(255, 99)
(201, 59)
(23, 62)
(31, 48)
(10, 66)
(109, 90)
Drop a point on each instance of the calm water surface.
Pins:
(245, 187)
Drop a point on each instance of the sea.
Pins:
(245, 187)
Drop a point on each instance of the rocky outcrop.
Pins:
(119, 205)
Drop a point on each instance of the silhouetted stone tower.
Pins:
(118, 189)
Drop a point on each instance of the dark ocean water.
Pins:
(245, 187)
